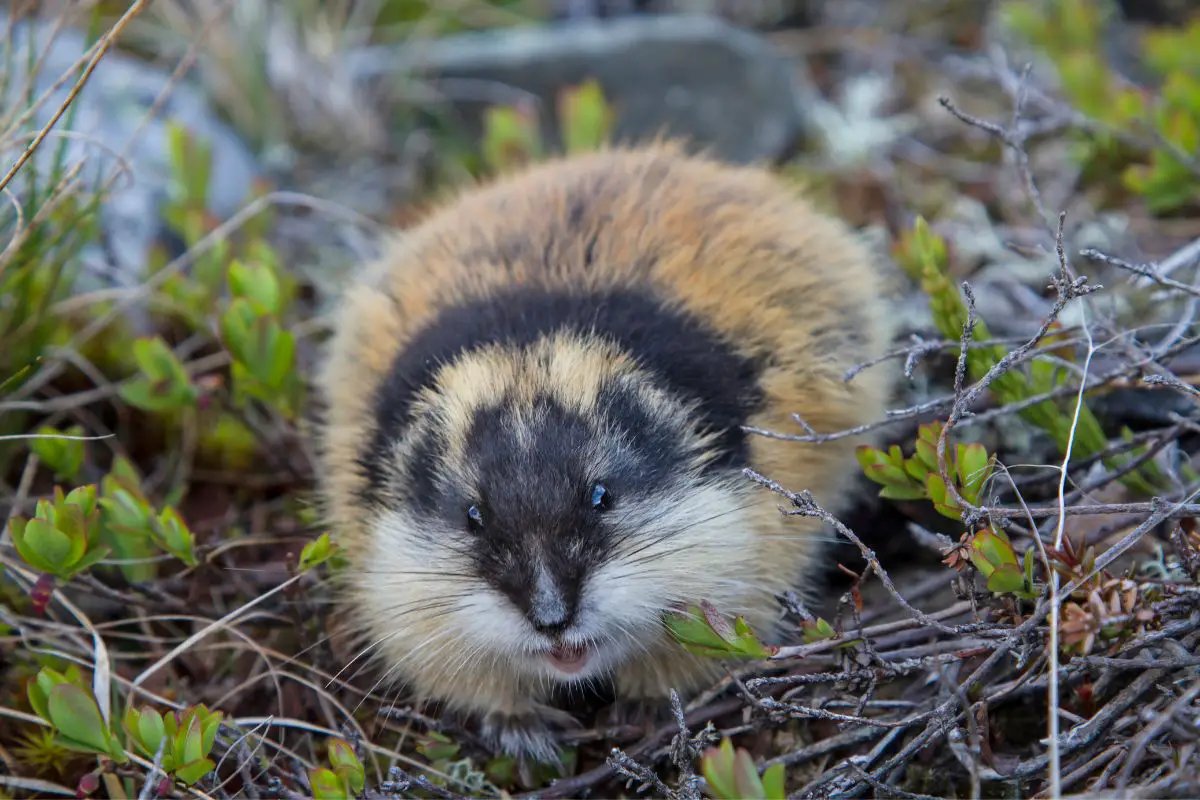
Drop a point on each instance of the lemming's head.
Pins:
(544, 505)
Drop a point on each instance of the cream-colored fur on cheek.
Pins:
(423, 606)
(670, 559)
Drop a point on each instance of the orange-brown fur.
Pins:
(733, 244)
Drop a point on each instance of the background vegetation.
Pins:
(164, 625)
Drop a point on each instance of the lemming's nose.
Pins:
(550, 621)
(551, 610)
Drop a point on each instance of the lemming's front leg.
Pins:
(531, 732)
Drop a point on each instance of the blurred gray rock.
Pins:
(693, 76)
(111, 107)
(759, 14)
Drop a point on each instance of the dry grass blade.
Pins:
(103, 45)
(213, 627)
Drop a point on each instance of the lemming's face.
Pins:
(551, 527)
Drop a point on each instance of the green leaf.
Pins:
(147, 354)
(747, 641)
(257, 283)
(84, 497)
(258, 342)
(718, 766)
(193, 771)
(346, 764)
(1006, 579)
(39, 691)
(77, 717)
(974, 468)
(705, 631)
(177, 728)
(193, 740)
(868, 456)
(127, 511)
(501, 770)
(176, 537)
(64, 456)
(28, 554)
(191, 165)
(926, 454)
(690, 628)
(938, 493)
(817, 630)
(94, 557)
(888, 475)
(148, 396)
(316, 552)
(211, 723)
(511, 137)
(126, 521)
(991, 550)
(433, 752)
(585, 117)
(171, 726)
(326, 785)
(746, 776)
(147, 728)
(71, 523)
(910, 492)
(164, 384)
(916, 469)
(773, 783)
(52, 547)
(282, 355)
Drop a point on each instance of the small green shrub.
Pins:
(512, 136)
(925, 257)
(704, 630)
(330, 784)
(732, 775)
(74, 716)
(60, 539)
(1149, 138)
(186, 739)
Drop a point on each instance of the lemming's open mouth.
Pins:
(568, 658)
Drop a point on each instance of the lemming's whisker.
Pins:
(371, 646)
(467, 658)
(438, 612)
(641, 646)
(417, 651)
(441, 604)
(659, 555)
(387, 673)
(421, 573)
(650, 572)
(677, 531)
(422, 605)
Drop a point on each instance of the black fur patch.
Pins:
(687, 358)
(534, 492)
(656, 444)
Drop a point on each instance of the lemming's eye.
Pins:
(474, 519)
(601, 497)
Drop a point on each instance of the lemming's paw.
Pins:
(528, 737)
